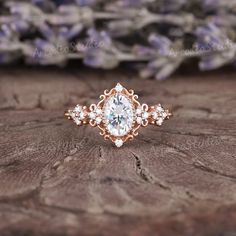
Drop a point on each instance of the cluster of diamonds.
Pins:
(142, 115)
(79, 115)
(159, 114)
(95, 115)
(119, 115)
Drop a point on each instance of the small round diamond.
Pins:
(119, 142)
(119, 87)
(145, 115)
(78, 108)
(159, 122)
(77, 121)
(73, 115)
(98, 111)
(139, 120)
(164, 115)
(159, 109)
(98, 120)
(92, 115)
(138, 111)
(154, 115)
(82, 115)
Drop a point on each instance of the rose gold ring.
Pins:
(118, 115)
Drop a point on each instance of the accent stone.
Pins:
(98, 111)
(119, 87)
(98, 120)
(139, 111)
(78, 109)
(82, 115)
(77, 121)
(119, 142)
(92, 115)
(159, 122)
(145, 115)
(139, 120)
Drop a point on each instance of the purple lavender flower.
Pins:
(9, 46)
(20, 26)
(172, 5)
(215, 5)
(26, 12)
(85, 3)
(6, 33)
(163, 62)
(46, 32)
(161, 43)
(124, 4)
(209, 37)
(217, 48)
(121, 27)
(101, 53)
(70, 14)
(63, 33)
(45, 5)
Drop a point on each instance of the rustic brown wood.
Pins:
(57, 179)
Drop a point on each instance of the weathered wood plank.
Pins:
(56, 179)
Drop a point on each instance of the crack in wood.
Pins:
(13, 163)
(145, 175)
(110, 180)
(199, 165)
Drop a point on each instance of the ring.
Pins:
(118, 115)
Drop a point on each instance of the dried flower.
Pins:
(51, 32)
(217, 47)
(163, 63)
(102, 54)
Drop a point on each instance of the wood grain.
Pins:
(57, 179)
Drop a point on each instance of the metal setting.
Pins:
(128, 115)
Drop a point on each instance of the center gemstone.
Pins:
(118, 114)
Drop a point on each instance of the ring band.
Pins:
(118, 115)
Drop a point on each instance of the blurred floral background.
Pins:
(153, 36)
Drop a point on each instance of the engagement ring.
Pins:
(118, 115)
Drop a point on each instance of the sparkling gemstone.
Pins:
(98, 120)
(164, 115)
(72, 114)
(154, 115)
(139, 120)
(159, 122)
(139, 111)
(98, 111)
(77, 121)
(159, 108)
(92, 115)
(78, 108)
(145, 115)
(119, 142)
(82, 115)
(119, 87)
(118, 115)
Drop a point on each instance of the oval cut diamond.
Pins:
(118, 114)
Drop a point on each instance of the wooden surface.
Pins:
(57, 179)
